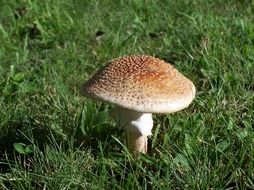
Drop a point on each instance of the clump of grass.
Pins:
(48, 48)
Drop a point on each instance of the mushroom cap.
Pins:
(142, 83)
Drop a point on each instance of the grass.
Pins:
(52, 138)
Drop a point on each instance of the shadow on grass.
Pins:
(14, 135)
(41, 136)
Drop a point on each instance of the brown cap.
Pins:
(141, 83)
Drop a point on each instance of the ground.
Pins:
(53, 138)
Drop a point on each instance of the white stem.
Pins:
(136, 143)
(137, 126)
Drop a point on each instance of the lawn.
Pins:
(53, 138)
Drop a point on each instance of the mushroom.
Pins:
(139, 86)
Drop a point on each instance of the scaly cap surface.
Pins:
(141, 83)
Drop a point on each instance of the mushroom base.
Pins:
(136, 143)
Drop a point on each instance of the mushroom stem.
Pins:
(137, 127)
(136, 143)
